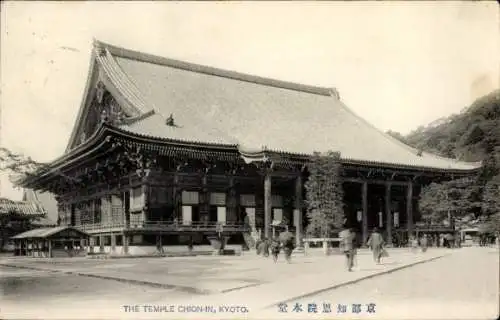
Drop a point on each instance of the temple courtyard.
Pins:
(441, 283)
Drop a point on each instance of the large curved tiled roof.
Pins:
(217, 106)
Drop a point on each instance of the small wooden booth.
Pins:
(63, 241)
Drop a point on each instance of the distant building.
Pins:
(46, 200)
(165, 152)
(20, 216)
(62, 241)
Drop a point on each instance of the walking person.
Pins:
(376, 244)
(288, 247)
(275, 249)
(413, 243)
(347, 243)
(265, 247)
(288, 244)
(424, 243)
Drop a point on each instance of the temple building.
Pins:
(20, 216)
(166, 153)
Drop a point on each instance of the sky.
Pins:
(397, 64)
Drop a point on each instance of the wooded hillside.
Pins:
(470, 135)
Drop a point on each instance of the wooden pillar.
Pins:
(298, 211)
(175, 197)
(113, 243)
(125, 242)
(205, 199)
(388, 213)
(267, 205)
(50, 248)
(364, 200)
(101, 243)
(236, 204)
(91, 244)
(145, 197)
(233, 202)
(409, 208)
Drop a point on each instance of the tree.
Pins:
(448, 200)
(396, 135)
(18, 164)
(491, 196)
(21, 166)
(324, 194)
(491, 204)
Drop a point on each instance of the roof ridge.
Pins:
(118, 79)
(83, 101)
(199, 68)
(396, 141)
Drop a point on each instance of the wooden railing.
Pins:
(192, 226)
(167, 226)
(100, 226)
(423, 227)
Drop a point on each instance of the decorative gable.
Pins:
(103, 108)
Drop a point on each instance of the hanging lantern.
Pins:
(380, 220)
(359, 216)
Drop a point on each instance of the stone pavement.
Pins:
(308, 282)
(248, 281)
(210, 275)
(463, 285)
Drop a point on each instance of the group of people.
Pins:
(349, 246)
(376, 243)
(435, 240)
(275, 246)
(423, 243)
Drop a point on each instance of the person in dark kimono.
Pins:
(275, 249)
(347, 246)
(288, 246)
(265, 247)
(376, 244)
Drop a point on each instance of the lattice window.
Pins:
(217, 199)
(117, 212)
(136, 219)
(136, 198)
(83, 213)
(247, 200)
(190, 197)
